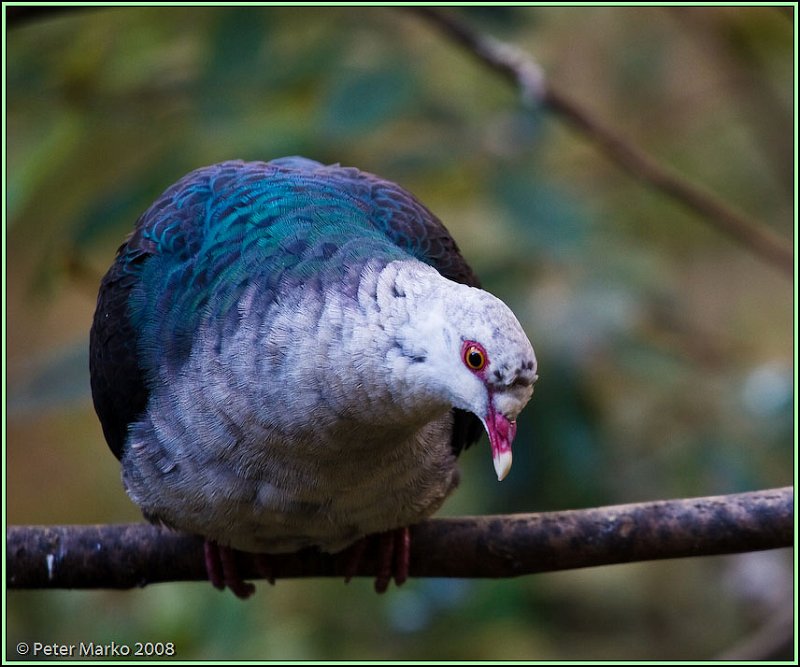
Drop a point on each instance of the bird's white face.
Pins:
(498, 392)
(496, 369)
(472, 349)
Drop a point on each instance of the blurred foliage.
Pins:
(665, 351)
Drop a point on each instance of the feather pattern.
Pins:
(261, 361)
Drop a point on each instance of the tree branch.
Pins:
(522, 70)
(125, 556)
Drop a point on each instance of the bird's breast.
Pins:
(283, 430)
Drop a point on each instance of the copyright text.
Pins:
(88, 649)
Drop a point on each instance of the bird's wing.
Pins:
(168, 228)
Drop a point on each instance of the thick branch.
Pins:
(517, 66)
(124, 556)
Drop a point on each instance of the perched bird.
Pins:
(289, 355)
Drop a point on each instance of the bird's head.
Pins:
(468, 346)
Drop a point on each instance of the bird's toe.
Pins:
(223, 570)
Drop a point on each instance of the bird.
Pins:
(288, 355)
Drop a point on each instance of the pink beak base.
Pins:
(501, 434)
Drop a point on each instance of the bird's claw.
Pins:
(223, 570)
(394, 548)
(393, 557)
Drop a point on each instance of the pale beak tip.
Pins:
(502, 464)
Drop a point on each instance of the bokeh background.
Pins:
(666, 351)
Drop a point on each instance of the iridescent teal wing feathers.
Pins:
(223, 228)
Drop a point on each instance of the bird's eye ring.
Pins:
(474, 356)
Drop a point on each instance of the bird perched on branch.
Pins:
(288, 355)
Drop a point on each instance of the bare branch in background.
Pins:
(520, 68)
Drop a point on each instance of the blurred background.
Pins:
(666, 351)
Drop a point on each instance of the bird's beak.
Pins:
(501, 432)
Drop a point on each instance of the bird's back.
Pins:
(222, 229)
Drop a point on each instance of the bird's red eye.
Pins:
(474, 356)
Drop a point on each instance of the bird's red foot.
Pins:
(393, 556)
(223, 569)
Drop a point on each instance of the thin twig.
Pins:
(125, 556)
(522, 69)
